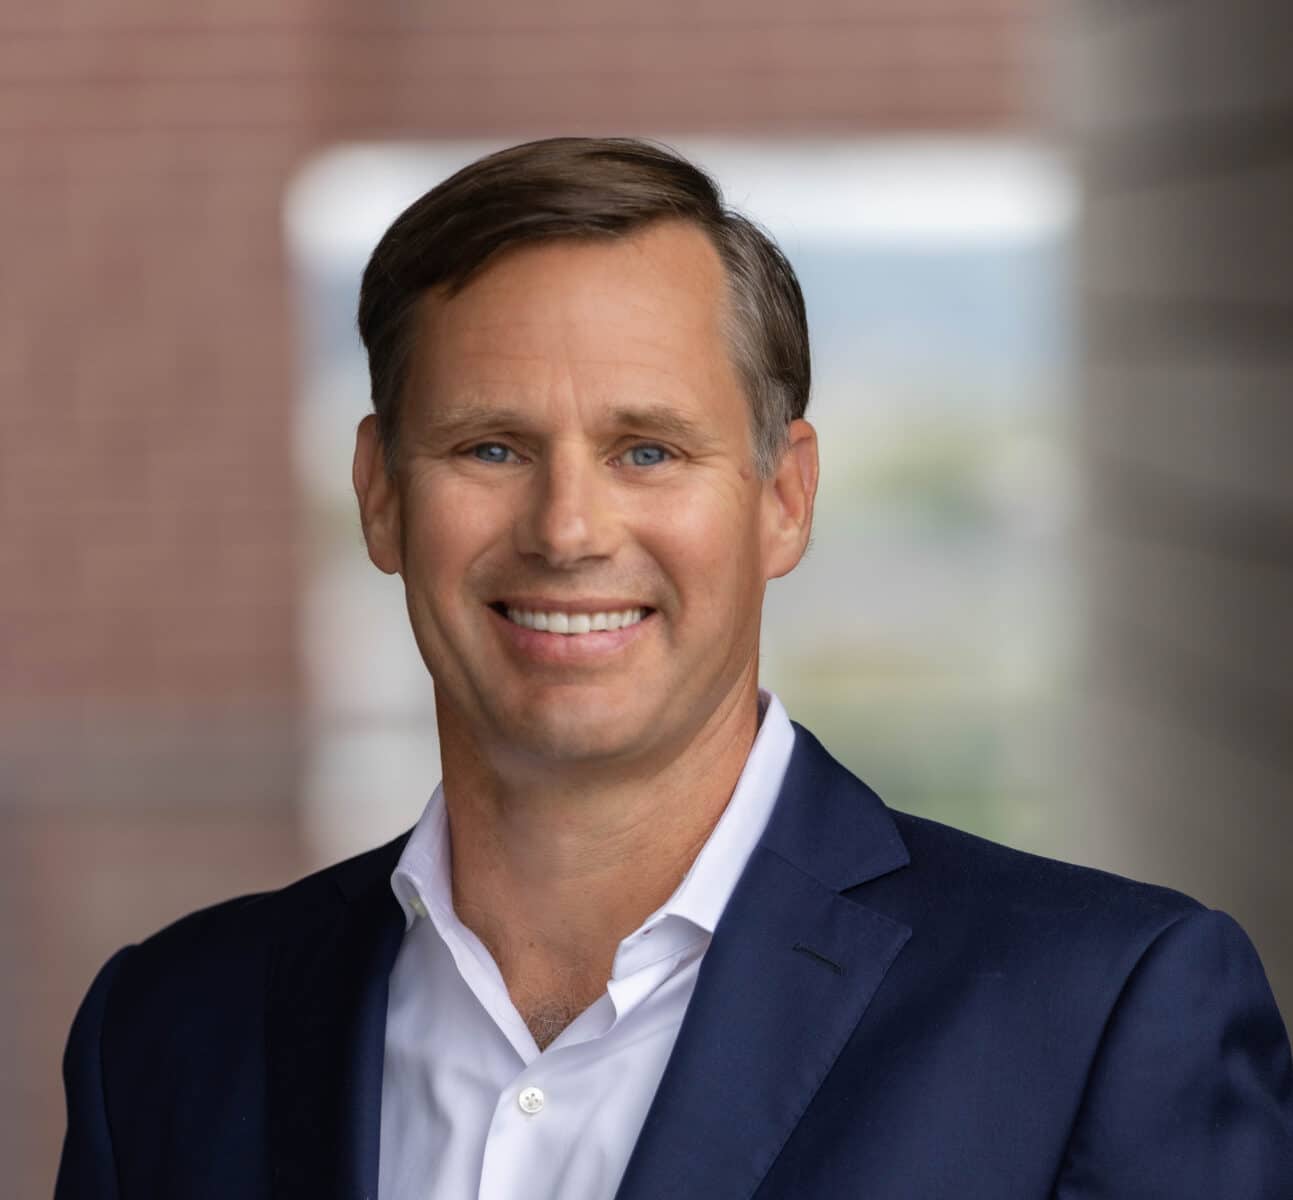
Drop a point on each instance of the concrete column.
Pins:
(1181, 115)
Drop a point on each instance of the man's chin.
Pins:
(574, 734)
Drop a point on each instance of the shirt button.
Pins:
(531, 1100)
(418, 907)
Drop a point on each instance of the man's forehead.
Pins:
(606, 308)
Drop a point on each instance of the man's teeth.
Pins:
(573, 623)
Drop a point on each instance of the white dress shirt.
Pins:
(470, 1105)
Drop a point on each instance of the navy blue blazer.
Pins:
(889, 1009)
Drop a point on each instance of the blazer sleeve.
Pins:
(87, 1169)
(1190, 1095)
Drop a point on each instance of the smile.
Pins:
(573, 624)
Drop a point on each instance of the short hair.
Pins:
(572, 187)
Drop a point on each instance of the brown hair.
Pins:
(584, 187)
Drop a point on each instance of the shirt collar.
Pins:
(421, 879)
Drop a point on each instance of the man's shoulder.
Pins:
(171, 1039)
(920, 870)
(219, 951)
(968, 897)
(971, 866)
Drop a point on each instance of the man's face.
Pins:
(576, 453)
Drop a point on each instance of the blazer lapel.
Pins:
(325, 1032)
(784, 983)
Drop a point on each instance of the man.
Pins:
(648, 938)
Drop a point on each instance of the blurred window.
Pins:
(926, 637)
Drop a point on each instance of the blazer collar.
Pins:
(785, 982)
(326, 1029)
(829, 824)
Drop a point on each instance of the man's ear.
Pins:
(788, 501)
(379, 498)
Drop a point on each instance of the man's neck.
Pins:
(552, 870)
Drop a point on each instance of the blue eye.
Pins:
(647, 455)
(490, 452)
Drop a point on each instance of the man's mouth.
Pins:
(572, 624)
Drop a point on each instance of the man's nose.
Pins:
(569, 510)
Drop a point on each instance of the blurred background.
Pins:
(1048, 261)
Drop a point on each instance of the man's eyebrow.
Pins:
(660, 419)
(470, 417)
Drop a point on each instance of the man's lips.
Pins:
(588, 605)
(583, 634)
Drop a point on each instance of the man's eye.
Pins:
(491, 452)
(647, 455)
